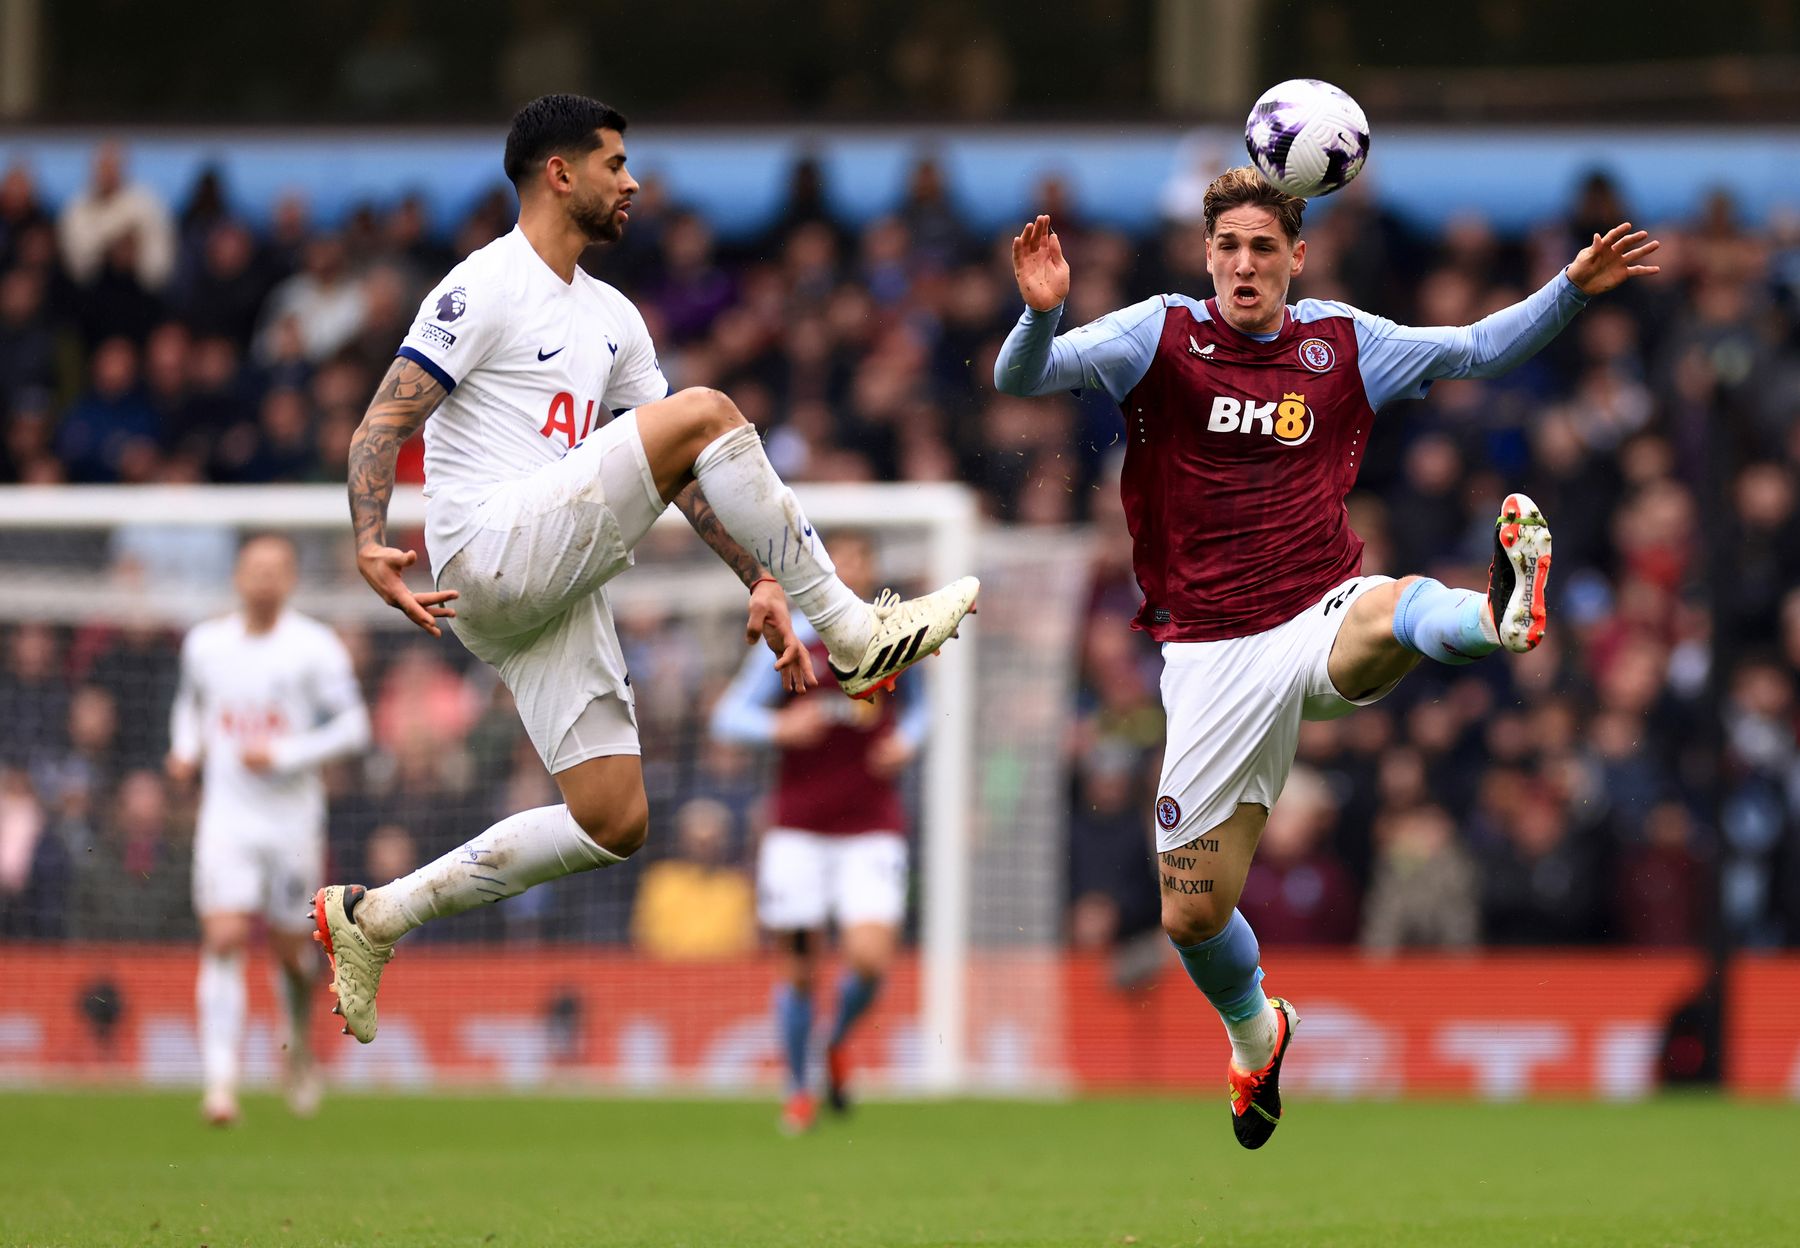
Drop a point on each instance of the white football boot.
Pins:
(907, 630)
(1520, 570)
(356, 961)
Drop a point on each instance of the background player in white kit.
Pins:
(556, 446)
(266, 697)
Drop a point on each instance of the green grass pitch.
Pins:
(125, 1169)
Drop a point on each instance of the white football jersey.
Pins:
(532, 365)
(290, 690)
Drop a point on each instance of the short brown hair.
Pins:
(1237, 187)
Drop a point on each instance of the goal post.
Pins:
(988, 795)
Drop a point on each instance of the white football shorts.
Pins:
(531, 591)
(805, 878)
(1234, 709)
(241, 872)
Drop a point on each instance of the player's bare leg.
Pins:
(297, 968)
(1390, 628)
(868, 951)
(700, 435)
(219, 999)
(603, 821)
(794, 1024)
(1201, 883)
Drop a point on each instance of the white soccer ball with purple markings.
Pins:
(1307, 137)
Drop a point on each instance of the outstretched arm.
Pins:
(768, 620)
(406, 396)
(1401, 361)
(1112, 353)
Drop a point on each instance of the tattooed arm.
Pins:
(769, 619)
(705, 520)
(406, 396)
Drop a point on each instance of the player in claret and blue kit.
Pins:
(1246, 418)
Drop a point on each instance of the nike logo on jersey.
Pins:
(1195, 348)
(544, 355)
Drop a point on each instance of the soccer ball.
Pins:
(1307, 137)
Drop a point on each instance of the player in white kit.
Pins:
(555, 446)
(266, 697)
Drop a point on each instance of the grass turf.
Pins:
(123, 1169)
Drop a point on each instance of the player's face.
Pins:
(600, 200)
(1252, 261)
(265, 574)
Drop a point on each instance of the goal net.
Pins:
(575, 984)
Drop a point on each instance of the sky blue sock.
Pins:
(855, 994)
(1225, 969)
(793, 1023)
(1445, 624)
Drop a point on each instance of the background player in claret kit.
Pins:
(266, 697)
(557, 444)
(835, 850)
(1245, 422)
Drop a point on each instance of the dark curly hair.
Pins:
(555, 125)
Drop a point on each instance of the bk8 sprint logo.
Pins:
(1289, 422)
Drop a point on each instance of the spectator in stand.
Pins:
(112, 432)
(20, 212)
(1656, 901)
(27, 344)
(694, 290)
(34, 863)
(696, 904)
(1538, 884)
(136, 665)
(1300, 894)
(1111, 873)
(131, 881)
(112, 210)
(1424, 894)
(34, 699)
(324, 304)
(223, 293)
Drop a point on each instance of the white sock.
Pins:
(515, 854)
(219, 997)
(765, 518)
(1253, 1040)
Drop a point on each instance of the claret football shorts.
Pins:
(1234, 709)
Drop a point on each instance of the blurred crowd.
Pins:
(1572, 796)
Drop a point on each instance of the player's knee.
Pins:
(619, 828)
(224, 938)
(709, 413)
(1190, 920)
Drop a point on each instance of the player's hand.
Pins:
(1038, 264)
(181, 771)
(800, 724)
(889, 756)
(257, 758)
(384, 568)
(770, 623)
(1610, 259)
